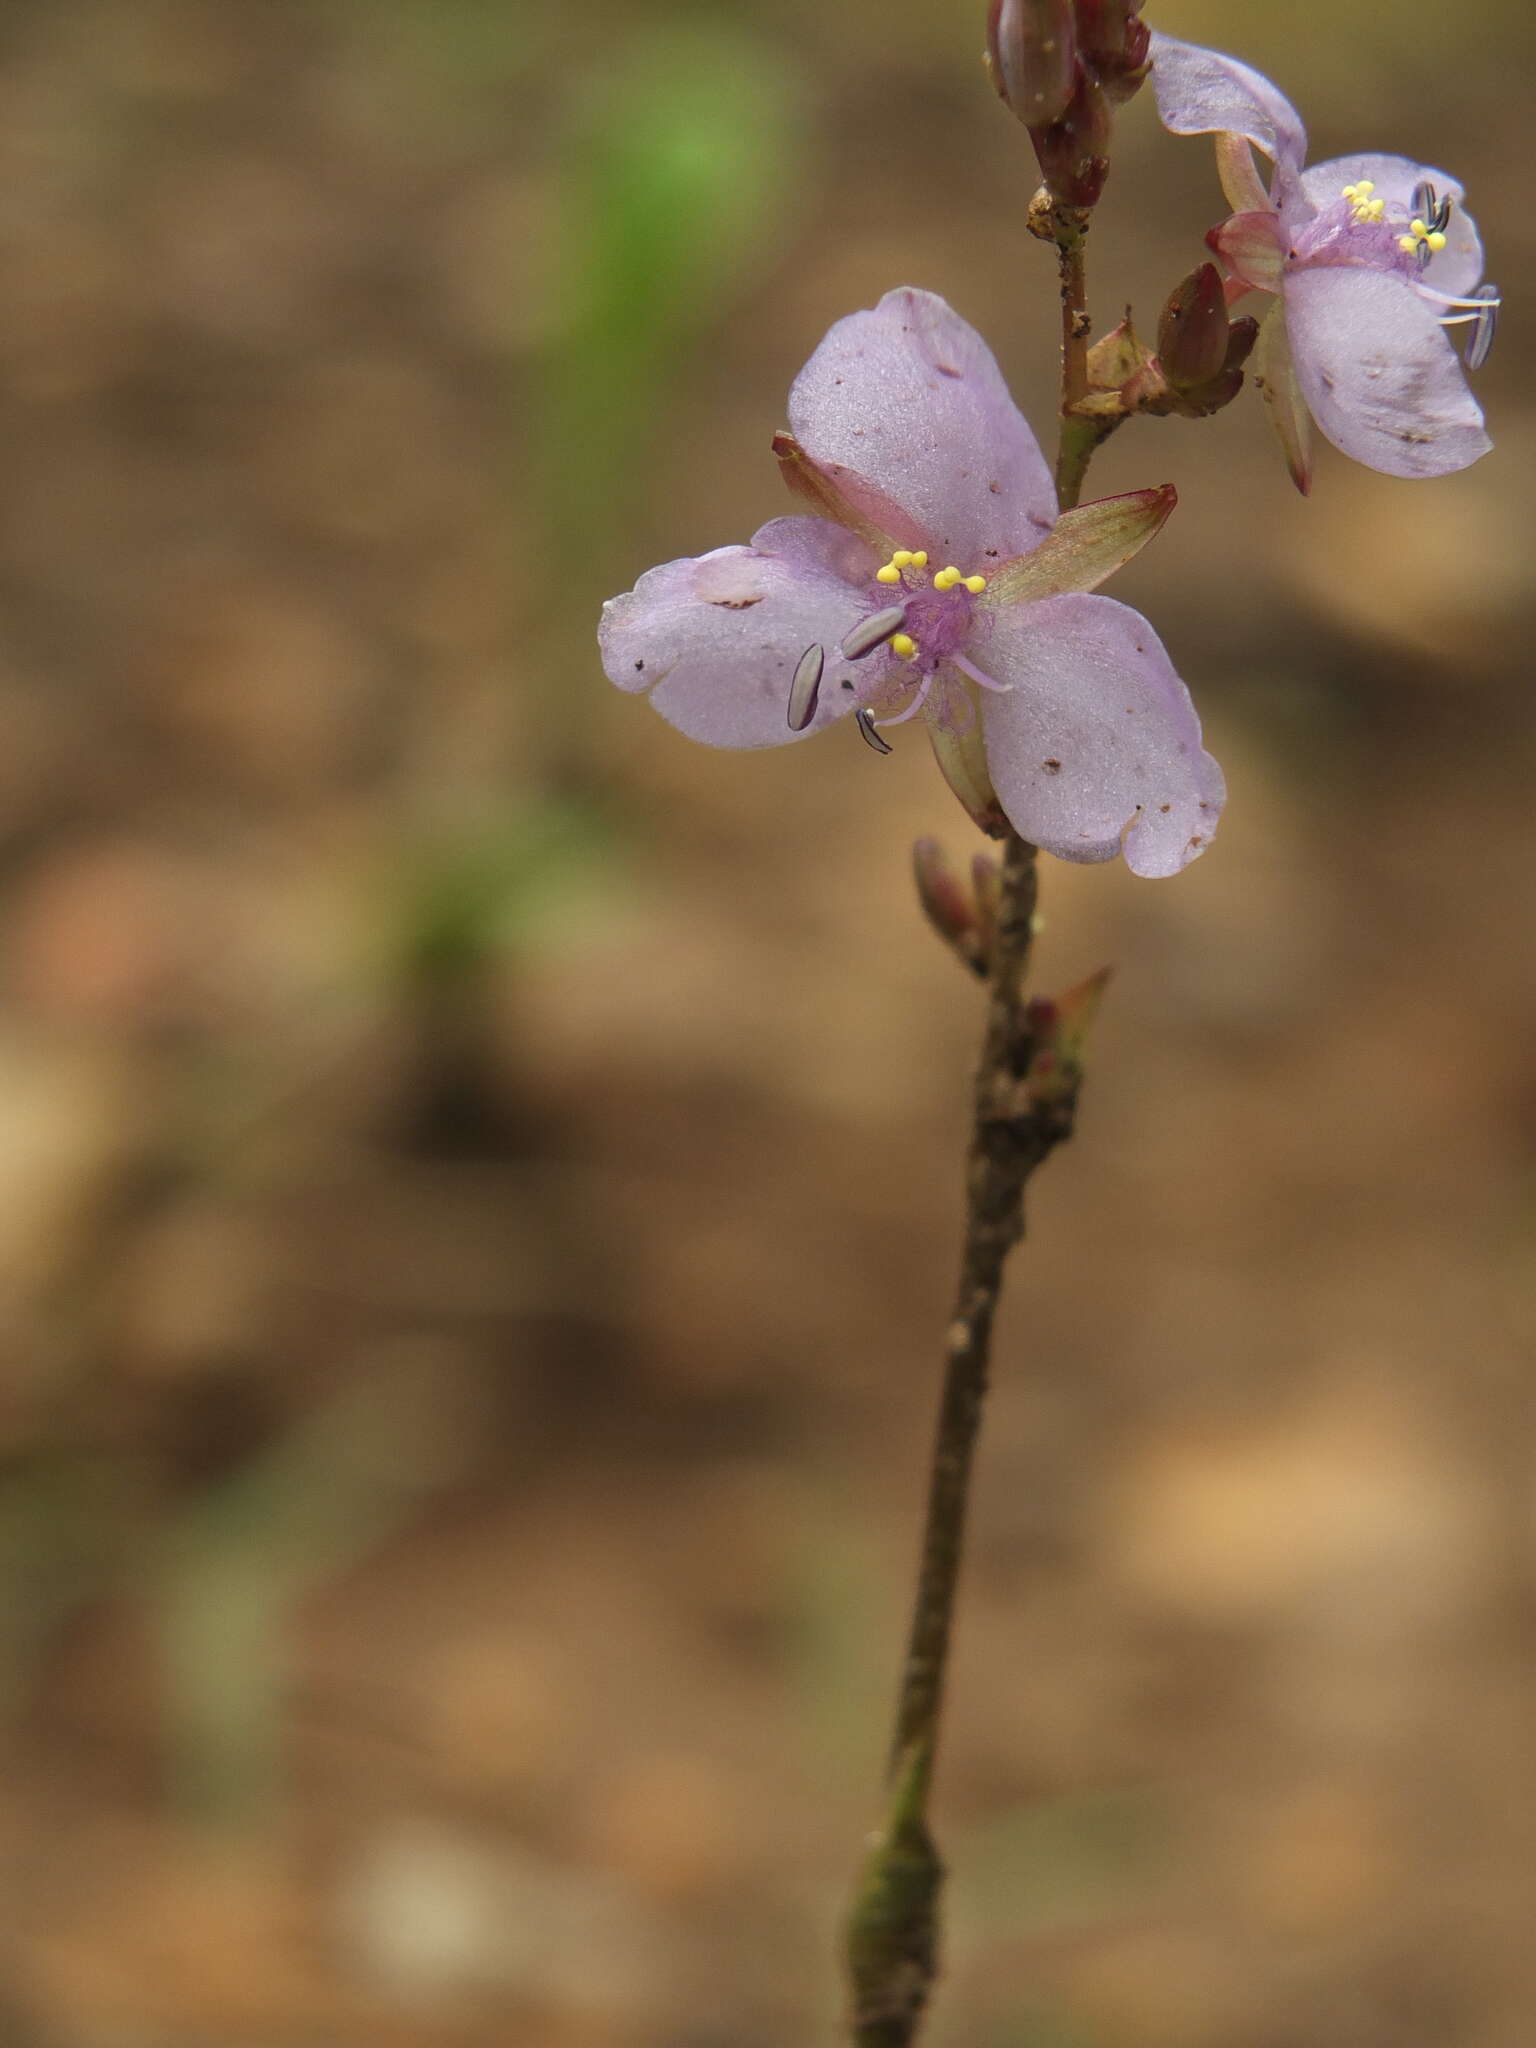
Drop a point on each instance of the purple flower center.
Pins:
(1361, 230)
(936, 612)
(938, 623)
(1353, 232)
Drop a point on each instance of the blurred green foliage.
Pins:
(676, 168)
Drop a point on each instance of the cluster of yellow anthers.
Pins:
(1365, 207)
(902, 559)
(1421, 234)
(944, 579)
(902, 645)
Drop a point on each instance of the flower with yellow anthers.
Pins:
(1371, 260)
(1047, 705)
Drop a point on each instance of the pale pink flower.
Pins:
(937, 584)
(1372, 260)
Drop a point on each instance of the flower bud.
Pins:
(1115, 45)
(1032, 56)
(1074, 149)
(987, 882)
(946, 902)
(1192, 330)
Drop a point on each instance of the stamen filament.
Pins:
(978, 676)
(1470, 304)
(920, 698)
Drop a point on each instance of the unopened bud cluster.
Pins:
(1062, 66)
(1194, 369)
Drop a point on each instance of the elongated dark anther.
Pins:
(1486, 320)
(864, 719)
(806, 687)
(868, 634)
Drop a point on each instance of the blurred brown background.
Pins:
(479, 1175)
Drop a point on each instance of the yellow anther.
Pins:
(1435, 240)
(920, 559)
(903, 646)
(947, 578)
(1417, 229)
(902, 557)
(1363, 206)
(889, 574)
(975, 585)
(1407, 244)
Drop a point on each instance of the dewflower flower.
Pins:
(1373, 261)
(936, 584)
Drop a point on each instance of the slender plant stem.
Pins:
(1071, 234)
(1078, 437)
(893, 1926)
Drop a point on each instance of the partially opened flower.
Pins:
(1372, 259)
(938, 583)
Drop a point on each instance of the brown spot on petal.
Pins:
(1051, 767)
(638, 666)
(1198, 839)
(1165, 808)
(735, 604)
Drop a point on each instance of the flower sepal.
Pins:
(1252, 246)
(961, 753)
(1274, 375)
(818, 490)
(1085, 547)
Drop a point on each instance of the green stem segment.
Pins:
(892, 1949)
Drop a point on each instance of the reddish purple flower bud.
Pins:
(1074, 150)
(987, 881)
(1115, 45)
(943, 896)
(1032, 57)
(1241, 336)
(1192, 330)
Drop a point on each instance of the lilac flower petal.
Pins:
(716, 639)
(1202, 92)
(1097, 734)
(1379, 373)
(1459, 264)
(906, 404)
